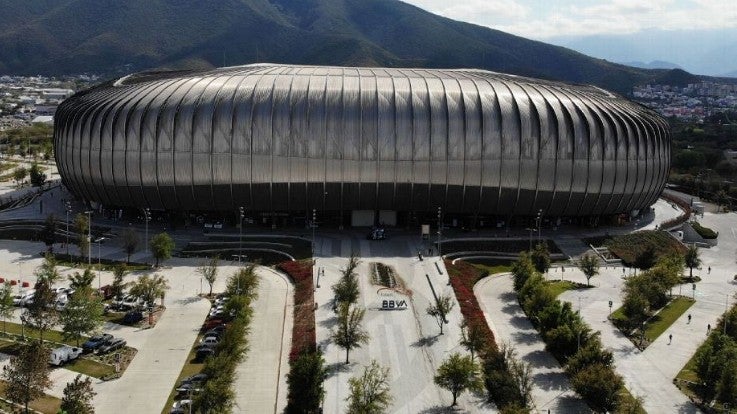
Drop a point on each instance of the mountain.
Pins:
(706, 52)
(655, 64)
(112, 36)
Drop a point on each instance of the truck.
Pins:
(64, 354)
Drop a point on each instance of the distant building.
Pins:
(360, 142)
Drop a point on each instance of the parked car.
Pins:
(96, 342)
(64, 354)
(112, 345)
(106, 292)
(203, 353)
(17, 300)
(132, 317)
(61, 302)
(214, 333)
(196, 378)
(131, 302)
(27, 298)
(213, 323)
(181, 407)
(209, 340)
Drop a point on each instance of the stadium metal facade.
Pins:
(280, 138)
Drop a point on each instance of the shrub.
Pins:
(303, 330)
(704, 232)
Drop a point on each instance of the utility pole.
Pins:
(241, 212)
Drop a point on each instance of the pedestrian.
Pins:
(708, 329)
(709, 270)
(689, 318)
(670, 338)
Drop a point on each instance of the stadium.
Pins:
(360, 145)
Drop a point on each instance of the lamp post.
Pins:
(440, 231)
(147, 217)
(313, 225)
(99, 262)
(68, 208)
(530, 229)
(538, 221)
(241, 212)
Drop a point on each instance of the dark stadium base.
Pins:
(214, 221)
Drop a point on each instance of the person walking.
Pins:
(670, 338)
(708, 329)
(708, 270)
(689, 318)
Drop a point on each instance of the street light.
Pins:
(147, 217)
(89, 237)
(241, 212)
(68, 207)
(440, 231)
(538, 221)
(99, 263)
(313, 225)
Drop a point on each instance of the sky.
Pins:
(546, 19)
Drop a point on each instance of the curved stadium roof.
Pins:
(293, 138)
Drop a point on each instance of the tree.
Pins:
(149, 288)
(81, 280)
(457, 374)
(130, 243)
(19, 174)
(589, 265)
(692, 259)
(82, 315)
(81, 226)
(473, 337)
(541, 257)
(370, 393)
(37, 176)
(209, 271)
(244, 281)
(27, 375)
(646, 259)
(347, 289)
(40, 313)
(440, 310)
(48, 233)
(6, 303)
(522, 269)
(162, 246)
(78, 396)
(305, 380)
(119, 272)
(599, 386)
(349, 333)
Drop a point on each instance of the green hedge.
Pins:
(704, 232)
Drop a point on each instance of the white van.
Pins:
(64, 354)
(27, 297)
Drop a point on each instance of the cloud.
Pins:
(545, 19)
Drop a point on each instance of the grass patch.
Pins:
(654, 326)
(90, 368)
(559, 286)
(629, 247)
(491, 266)
(46, 404)
(665, 318)
(190, 368)
(628, 400)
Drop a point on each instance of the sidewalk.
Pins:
(551, 388)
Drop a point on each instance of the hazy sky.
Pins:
(543, 19)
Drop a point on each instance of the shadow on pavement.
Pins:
(426, 341)
(540, 358)
(520, 322)
(440, 410)
(329, 323)
(526, 338)
(337, 367)
(550, 381)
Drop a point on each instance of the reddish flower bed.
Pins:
(462, 278)
(303, 331)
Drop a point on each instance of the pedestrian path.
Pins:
(551, 388)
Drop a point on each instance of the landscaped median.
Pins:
(655, 325)
(97, 366)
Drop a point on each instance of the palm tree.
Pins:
(692, 259)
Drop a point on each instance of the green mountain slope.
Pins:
(112, 36)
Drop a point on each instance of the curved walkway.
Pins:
(260, 383)
(551, 388)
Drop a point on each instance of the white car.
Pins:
(209, 341)
(64, 354)
(180, 407)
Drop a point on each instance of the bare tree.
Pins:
(440, 310)
(130, 242)
(349, 333)
(209, 271)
